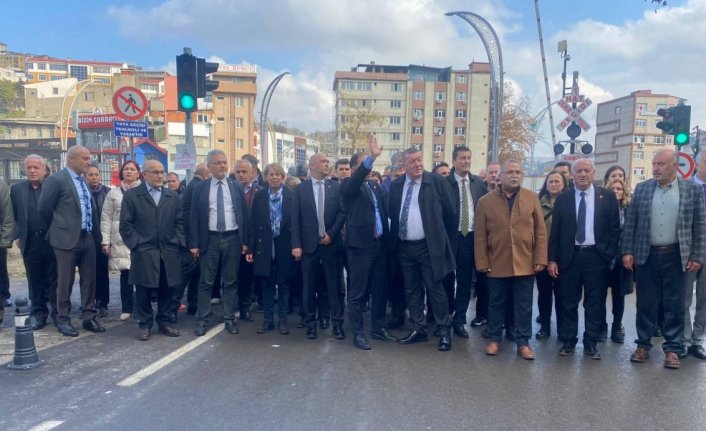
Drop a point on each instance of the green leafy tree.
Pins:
(11, 99)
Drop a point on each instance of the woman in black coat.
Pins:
(271, 246)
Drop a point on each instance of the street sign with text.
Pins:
(131, 129)
(129, 103)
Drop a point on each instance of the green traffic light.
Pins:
(187, 101)
(681, 138)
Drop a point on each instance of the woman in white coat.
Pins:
(112, 244)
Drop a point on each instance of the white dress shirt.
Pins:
(415, 227)
(231, 224)
(590, 211)
(471, 212)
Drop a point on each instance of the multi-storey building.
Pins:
(44, 68)
(233, 105)
(10, 59)
(626, 133)
(433, 108)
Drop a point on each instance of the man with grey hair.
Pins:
(218, 234)
(582, 244)
(692, 340)
(71, 215)
(30, 231)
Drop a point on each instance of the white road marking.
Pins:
(161, 363)
(46, 426)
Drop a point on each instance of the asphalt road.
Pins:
(275, 382)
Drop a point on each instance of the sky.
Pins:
(618, 46)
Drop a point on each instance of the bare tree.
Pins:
(357, 118)
(518, 133)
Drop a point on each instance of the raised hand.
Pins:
(373, 148)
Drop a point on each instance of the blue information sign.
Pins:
(130, 129)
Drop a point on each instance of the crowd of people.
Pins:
(407, 245)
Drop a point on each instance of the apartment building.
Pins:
(435, 109)
(626, 133)
(45, 68)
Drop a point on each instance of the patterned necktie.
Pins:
(464, 208)
(581, 220)
(320, 208)
(86, 202)
(220, 209)
(405, 211)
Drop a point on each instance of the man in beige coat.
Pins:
(510, 247)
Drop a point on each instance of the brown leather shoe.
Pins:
(492, 348)
(640, 355)
(671, 361)
(169, 331)
(143, 334)
(525, 352)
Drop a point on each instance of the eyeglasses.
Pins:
(155, 172)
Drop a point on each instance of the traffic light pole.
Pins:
(189, 142)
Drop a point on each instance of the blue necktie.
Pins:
(86, 202)
(405, 211)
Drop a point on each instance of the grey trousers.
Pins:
(694, 333)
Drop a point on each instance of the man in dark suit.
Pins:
(152, 227)
(245, 175)
(218, 233)
(316, 243)
(663, 237)
(30, 231)
(67, 207)
(189, 266)
(422, 211)
(466, 190)
(366, 233)
(582, 243)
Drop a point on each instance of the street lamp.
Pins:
(83, 85)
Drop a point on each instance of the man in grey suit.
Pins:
(68, 209)
(7, 232)
(663, 237)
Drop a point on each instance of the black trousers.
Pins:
(520, 289)
(4, 277)
(40, 266)
(585, 275)
(143, 302)
(83, 256)
(464, 278)
(660, 281)
(245, 285)
(223, 251)
(418, 280)
(395, 284)
(548, 292)
(481, 295)
(617, 297)
(321, 271)
(127, 293)
(190, 274)
(367, 267)
(102, 280)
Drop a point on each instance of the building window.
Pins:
(347, 85)
(238, 123)
(638, 155)
(460, 113)
(42, 66)
(101, 69)
(617, 110)
(641, 107)
(640, 122)
(438, 148)
(220, 98)
(418, 95)
(616, 140)
(30, 76)
(221, 141)
(662, 106)
(418, 113)
(42, 77)
(29, 66)
(54, 91)
(89, 96)
(417, 130)
(460, 79)
(461, 96)
(418, 78)
(658, 140)
(395, 136)
(56, 77)
(202, 118)
(57, 67)
(668, 140)
(239, 144)
(395, 87)
(438, 131)
(638, 139)
(239, 101)
(79, 72)
(440, 96)
(440, 113)
(342, 119)
(638, 171)
(395, 103)
(395, 120)
(460, 131)
(220, 119)
(107, 81)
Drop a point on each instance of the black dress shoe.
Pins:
(311, 332)
(383, 335)
(566, 349)
(282, 327)
(143, 333)
(591, 351)
(478, 321)
(395, 323)
(169, 331)
(460, 330)
(697, 351)
(200, 329)
(683, 351)
(444, 342)
(542, 334)
(93, 326)
(324, 324)
(415, 337)
(102, 312)
(617, 336)
(231, 327)
(266, 327)
(39, 324)
(338, 332)
(361, 342)
(67, 330)
(246, 316)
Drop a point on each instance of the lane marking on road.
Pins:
(46, 426)
(161, 363)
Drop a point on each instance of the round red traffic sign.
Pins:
(686, 165)
(129, 103)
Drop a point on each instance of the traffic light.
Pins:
(187, 82)
(682, 123)
(667, 123)
(205, 85)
